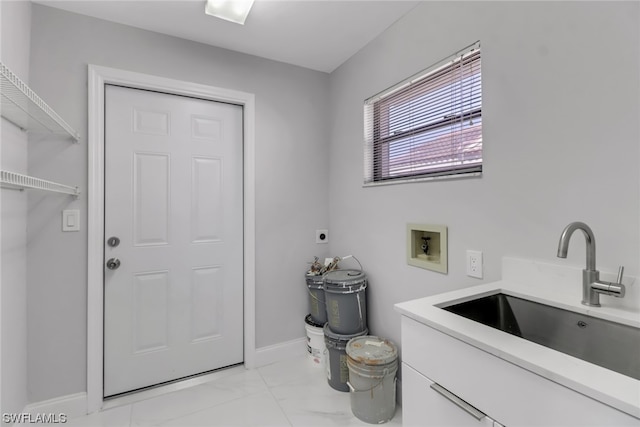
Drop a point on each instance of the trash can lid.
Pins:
(371, 350)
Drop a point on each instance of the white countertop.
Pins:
(541, 285)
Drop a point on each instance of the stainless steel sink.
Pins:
(608, 344)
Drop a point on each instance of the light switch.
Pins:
(71, 220)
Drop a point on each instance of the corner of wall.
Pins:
(14, 53)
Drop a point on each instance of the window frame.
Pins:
(377, 109)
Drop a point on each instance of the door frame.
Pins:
(99, 77)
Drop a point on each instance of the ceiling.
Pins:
(319, 35)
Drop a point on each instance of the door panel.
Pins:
(173, 196)
(150, 311)
(206, 200)
(207, 297)
(151, 199)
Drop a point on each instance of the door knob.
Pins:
(113, 264)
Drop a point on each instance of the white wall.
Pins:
(14, 53)
(291, 172)
(561, 143)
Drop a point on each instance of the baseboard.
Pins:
(72, 406)
(281, 351)
(75, 405)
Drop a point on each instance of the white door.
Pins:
(173, 198)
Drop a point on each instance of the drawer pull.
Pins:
(478, 415)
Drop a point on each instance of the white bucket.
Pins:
(315, 342)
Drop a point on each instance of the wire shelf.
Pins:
(21, 182)
(22, 107)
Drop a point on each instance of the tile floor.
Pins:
(289, 393)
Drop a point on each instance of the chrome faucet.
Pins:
(592, 286)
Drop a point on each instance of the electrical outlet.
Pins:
(474, 264)
(322, 236)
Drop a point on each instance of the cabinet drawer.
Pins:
(509, 393)
(423, 406)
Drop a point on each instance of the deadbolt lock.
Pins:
(113, 242)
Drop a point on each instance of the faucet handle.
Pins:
(620, 273)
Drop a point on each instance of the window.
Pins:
(428, 126)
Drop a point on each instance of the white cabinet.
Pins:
(423, 406)
(509, 394)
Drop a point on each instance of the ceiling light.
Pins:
(229, 10)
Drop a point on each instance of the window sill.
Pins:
(423, 179)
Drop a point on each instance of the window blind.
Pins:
(429, 125)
